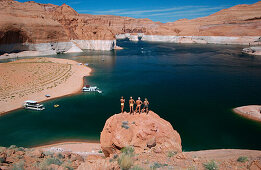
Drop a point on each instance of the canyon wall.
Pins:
(48, 28)
(22, 25)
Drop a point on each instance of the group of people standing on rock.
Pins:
(138, 105)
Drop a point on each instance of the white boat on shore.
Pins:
(89, 88)
(33, 105)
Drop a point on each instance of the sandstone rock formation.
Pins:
(142, 131)
(240, 20)
(31, 26)
(52, 27)
(252, 50)
(251, 112)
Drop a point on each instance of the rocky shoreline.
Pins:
(240, 40)
(251, 112)
(252, 51)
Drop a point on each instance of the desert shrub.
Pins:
(129, 150)
(12, 147)
(212, 165)
(136, 167)
(157, 165)
(48, 153)
(54, 161)
(100, 151)
(115, 156)
(68, 168)
(60, 156)
(125, 161)
(125, 124)
(68, 165)
(20, 149)
(18, 166)
(171, 153)
(48, 161)
(242, 159)
(2, 160)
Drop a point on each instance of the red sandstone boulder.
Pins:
(142, 131)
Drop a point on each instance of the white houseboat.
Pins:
(34, 105)
(89, 88)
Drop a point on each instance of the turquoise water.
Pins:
(194, 87)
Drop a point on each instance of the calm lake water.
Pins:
(194, 87)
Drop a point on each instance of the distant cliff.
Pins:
(52, 27)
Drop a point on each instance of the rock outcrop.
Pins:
(252, 50)
(142, 131)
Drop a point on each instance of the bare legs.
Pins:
(137, 107)
(131, 109)
(122, 107)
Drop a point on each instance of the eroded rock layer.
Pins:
(23, 24)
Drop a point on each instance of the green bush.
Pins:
(100, 151)
(18, 166)
(242, 159)
(125, 161)
(48, 153)
(136, 167)
(54, 161)
(129, 150)
(20, 149)
(12, 147)
(212, 165)
(171, 153)
(68, 165)
(125, 124)
(2, 160)
(60, 156)
(157, 165)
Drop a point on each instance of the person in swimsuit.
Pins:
(122, 103)
(146, 105)
(131, 102)
(138, 103)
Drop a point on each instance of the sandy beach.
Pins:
(251, 112)
(81, 148)
(32, 79)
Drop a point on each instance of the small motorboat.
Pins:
(47, 95)
(56, 105)
(86, 64)
(89, 88)
(33, 105)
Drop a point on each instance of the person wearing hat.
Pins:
(131, 102)
(122, 103)
(138, 103)
(146, 105)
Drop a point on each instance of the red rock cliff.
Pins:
(36, 23)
